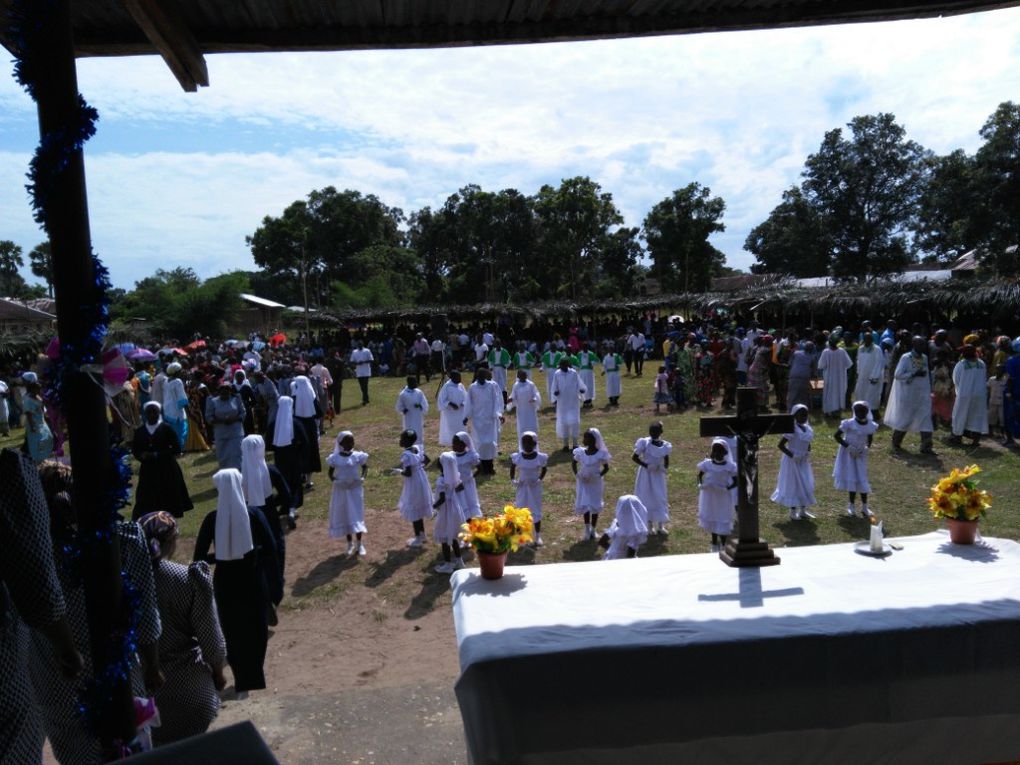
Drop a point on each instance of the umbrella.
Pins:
(194, 345)
(179, 351)
(232, 342)
(278, 339)
(141, 354)
(127, 347)
(115, 370)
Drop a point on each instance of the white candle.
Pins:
(876, 537)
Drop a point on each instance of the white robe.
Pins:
(173, 395)
(412, 404)
(568, 391)
(795, 486)
(850, 471)
(589, 483)
(970, 410)
(528, 483)
(587, 375)
(526, 401)
(834, 364)
(629, 529)
(347, 500)
(715, 505)
(650, 483)
(909, 406)
(612, 370)
(451, 420)
(870, 366)
(485, 405)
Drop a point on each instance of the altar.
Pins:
(831, 657)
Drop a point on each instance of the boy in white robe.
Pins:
(909, 407)
(611, 363)
(523, 359)
(412, 404)
(485, 410)
(452, 401)
(586, 361)
(870, 372)
(567, 393)
(970, 410)
(834, 363)
(499, 359)
(525, 400)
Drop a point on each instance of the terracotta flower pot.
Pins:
(962, 532)
(492, 564)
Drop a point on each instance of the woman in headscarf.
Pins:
(685, 368)
(802, 372)
(197, 430)
(265, 490)
(38, 436)
(758, 371)
(226, 413)
(243, 390)
(244, 549)
(161, 484)
(306, 412)
(288, 446)
(175, 402)
(192, 652)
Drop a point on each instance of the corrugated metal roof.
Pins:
(183, 30)
(15, 310)
(260, 301)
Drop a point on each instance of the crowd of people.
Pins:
(247, 400)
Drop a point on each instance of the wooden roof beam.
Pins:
(174, 41)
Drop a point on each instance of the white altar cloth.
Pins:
(831, 656)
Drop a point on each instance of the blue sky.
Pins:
(178, 178)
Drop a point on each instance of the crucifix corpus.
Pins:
(748, 426)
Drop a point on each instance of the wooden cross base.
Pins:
(740, 554)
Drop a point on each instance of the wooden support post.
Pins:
(70, 241)
(176, 44)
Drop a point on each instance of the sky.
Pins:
(179, 178)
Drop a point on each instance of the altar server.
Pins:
(485, 410)
(415, 503)
(834, 363)
(347, 471)
(452, 403)
(568, 390)
(611, 369)
(449, 515)
(550, 364)
(717, 476)
(586, 361)
(412, 404)
(909, 405)
(628, 531)
(525, 400)
(651, 454)
(850, 473)
(970, 410)
(523, 360)
(795, 487)
(590, 465)
(527, 469)
(499, 360)
(467, 461)
(870, 373)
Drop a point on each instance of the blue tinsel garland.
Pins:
(27, 27)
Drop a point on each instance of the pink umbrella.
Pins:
(141, 354)
(116, 369)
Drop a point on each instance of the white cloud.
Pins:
(738, 112)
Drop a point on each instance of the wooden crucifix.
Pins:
(747, 426)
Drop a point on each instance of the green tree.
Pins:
(866, 189)
(792, 240)
(997, 196)
(677, 231)
(41, 263)
(574, 222)
(388, 277)
(11, 259)
(947, 226)
(621, 255)
(176, 303)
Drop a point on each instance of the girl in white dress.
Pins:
(415, 502)
(590, 465)
(717, 475)
(651, 454)
(850, 472)
(527, 469)
(467, 461)
(449, 515)
(795, 487)
(628, 531)
(347, 470)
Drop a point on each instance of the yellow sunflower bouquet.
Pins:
(500, 533)
(956, 496)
